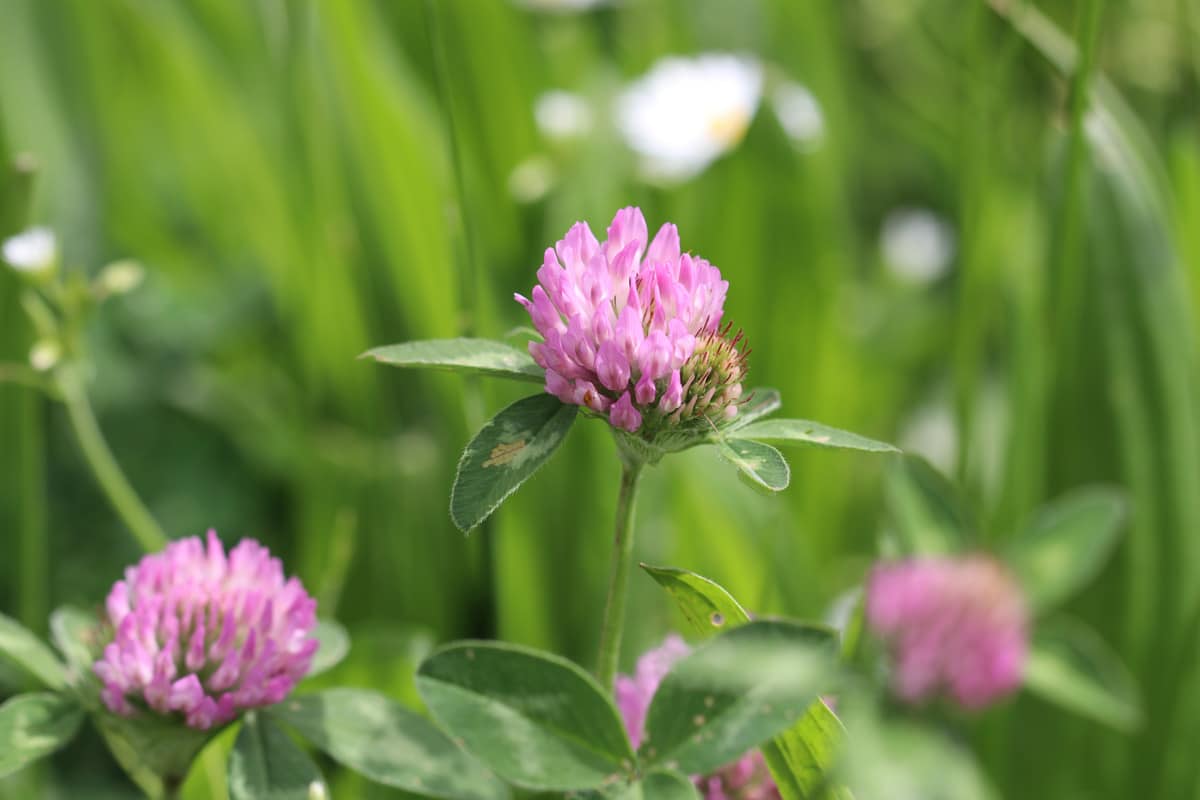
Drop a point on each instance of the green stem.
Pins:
(622, 561)
(108, 473)
(1070, 266)
(31, 512)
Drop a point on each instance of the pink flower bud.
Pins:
(673, 397)
(612, 367)
(645, 391)
(623, 415)
(654, 358)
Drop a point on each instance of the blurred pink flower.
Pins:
(631, 326)
(205, 635)
(745, 779)
(958, 626)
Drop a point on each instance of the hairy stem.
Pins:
(112, 480)
(622, 560)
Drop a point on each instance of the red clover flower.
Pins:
(206, 635)
(633, 331)
(958, 626)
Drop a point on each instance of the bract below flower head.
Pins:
(205, 635)
(632, 331)
(745, 779)
(686, 112)
(958, 626)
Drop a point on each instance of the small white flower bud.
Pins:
(44, 354)
(120, 277)
(34, 251)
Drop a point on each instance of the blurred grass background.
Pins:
(286, 172)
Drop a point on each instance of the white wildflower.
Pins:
(686, 112)
(35, 250)
(917, 244)
(562, 115)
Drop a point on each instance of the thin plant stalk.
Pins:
(112, 480)
(622, 562)
(465, 249)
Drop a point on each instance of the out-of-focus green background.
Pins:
(285, 171)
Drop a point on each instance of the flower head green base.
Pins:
(712, 398)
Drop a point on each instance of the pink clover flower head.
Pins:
(631, 327)
(953, 626)
(745, 779)
(204, 634)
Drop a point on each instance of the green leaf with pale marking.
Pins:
(33, 726)
(334, 644)
(661, 784)
(803, 431)
(802, 757)
(1067, 544)
(762, 402)
(735, 692)
(267, 765)
(760, 463)
(705, 604)
(20, 646)
(1071, 666)
(512, 446)
(930, 515)
(664, 784)
(481, 356)
(535, 719)
(386, 742)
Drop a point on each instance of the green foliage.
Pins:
(284, 172)
(387, 743)
(706, 605)
(668, 785)
(1071, 666)
(512, 446)
(535, 719)
(802, 757)
(334, 644)
(154, 751)
(802, 431)
(74, 633)
(759, 404)
(761, 464)
(266, 765)
(892, 759)
(664, 784)
(481, 356)
(1066, 544)
(930, 515)
(34, 725)
(21, 647)
(735, 692)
